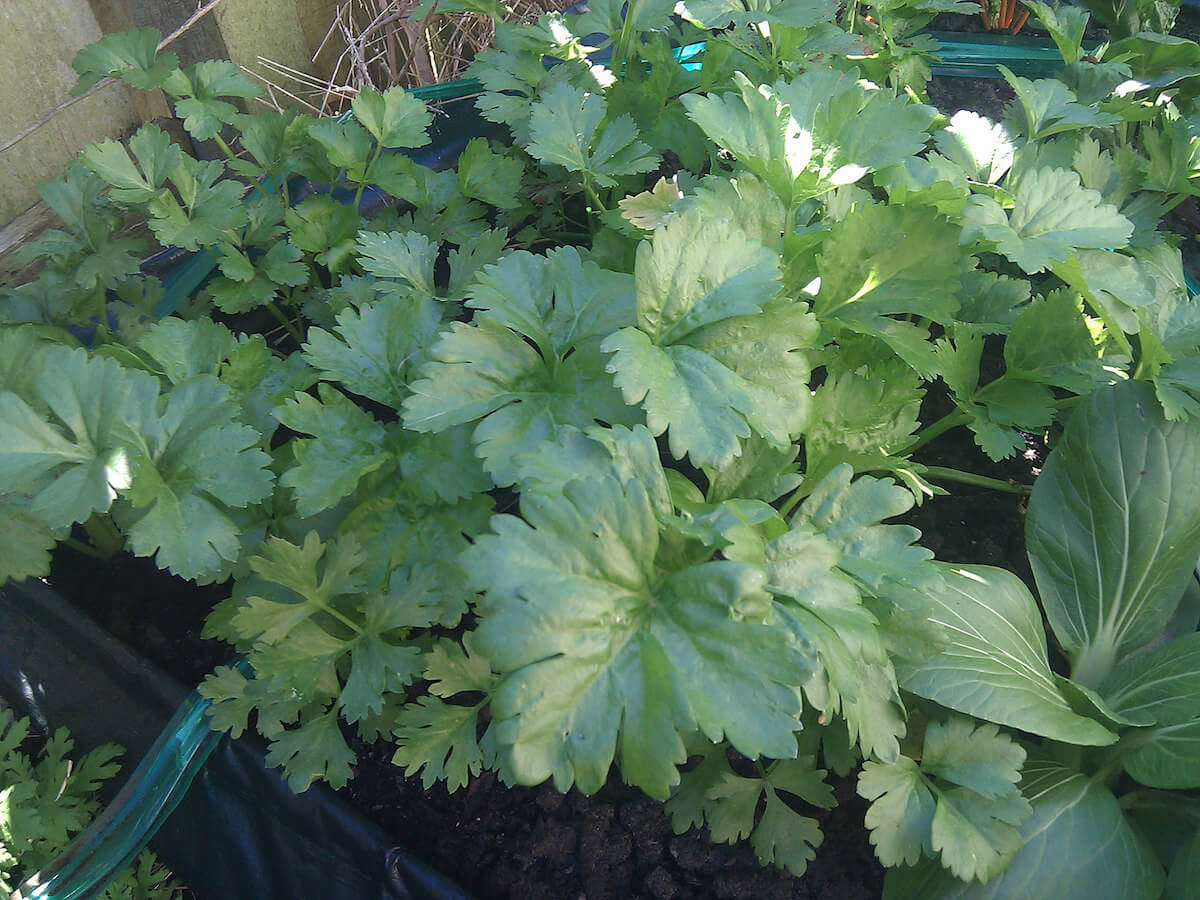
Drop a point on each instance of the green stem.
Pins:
(363, 184)
(1114, 758)
(797, 496)
(348, 622)
(285, 322)
(621, 48)
(104, 536)
(228, 151)
(941, 473)
(941, 426)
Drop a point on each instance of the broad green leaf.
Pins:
(488, 371)
(395, 118)
(138, 179)
(197, 462)
(376, 346)
(995, 666)
(1166, 756)
(1163, 684)
(1047, 107)
(1052, 215)
(73, 449)
(981, 148)
(601, 657)
(1077, 846)
(1113, 528)
(491, 177)
(131, 56)
(26, 540)
(565, 129)
(1185, 871)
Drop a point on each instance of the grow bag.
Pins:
(239, 831)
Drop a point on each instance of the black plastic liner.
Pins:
(239, 832)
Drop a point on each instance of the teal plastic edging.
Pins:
(122, 830)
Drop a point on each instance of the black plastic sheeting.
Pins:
(239, 832)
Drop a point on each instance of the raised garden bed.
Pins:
(376, 490)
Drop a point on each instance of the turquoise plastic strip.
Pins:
(126, 825)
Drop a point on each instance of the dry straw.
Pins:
(378, 44)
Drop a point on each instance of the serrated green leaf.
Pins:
(888, 260)
(981, 148)
(565, 129)
(406, 256)
(348, 444)
(74, 457)
(454, 668)
(211, 209)
(976, 757)
(1047, 107)
(1070, 813)
(802, 778)
(785, 838)
(129, 55)
(734, 801)
(138, 179)
(491, 177)
(901, 812)
(376, 346)
(593, 653)
(439, 740)
(488, 371)
(231, 706)
(198, 461)
(1052, 215)
(395, 118)
(27, 543)
(315, 749)
(977, 837)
